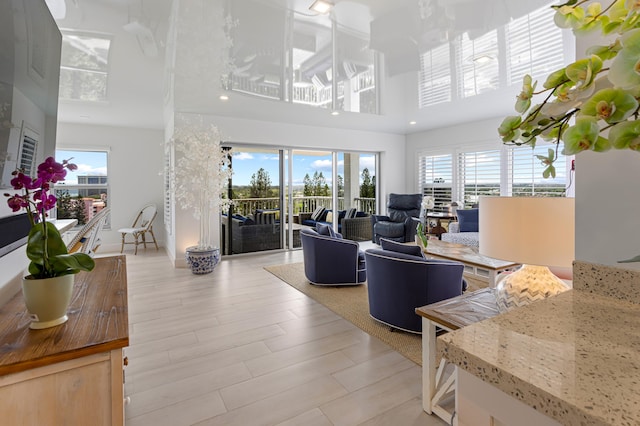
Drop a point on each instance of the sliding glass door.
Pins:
(276, 191)
(254, 221)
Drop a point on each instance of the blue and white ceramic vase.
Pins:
(202, 260)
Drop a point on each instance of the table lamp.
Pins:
(535, 232)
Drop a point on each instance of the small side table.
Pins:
(439, 229)
(449, 315)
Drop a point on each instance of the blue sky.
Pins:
(88, 162)
(246, 164)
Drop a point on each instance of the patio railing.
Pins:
(245, 206)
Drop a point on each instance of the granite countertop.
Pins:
(574, 357)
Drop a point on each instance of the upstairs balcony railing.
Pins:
(245, 206)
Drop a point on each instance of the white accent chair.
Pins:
(140, 227)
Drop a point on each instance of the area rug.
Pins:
(352, 303)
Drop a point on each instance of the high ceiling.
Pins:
(399, 29)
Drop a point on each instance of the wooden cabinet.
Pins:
(71, 373)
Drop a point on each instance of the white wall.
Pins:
(607, 201)
(136, 166)
(607, 198)
(391, 148)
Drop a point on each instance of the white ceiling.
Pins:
(137, 81)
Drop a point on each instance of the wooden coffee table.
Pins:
(474, 262)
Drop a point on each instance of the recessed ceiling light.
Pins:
(335, 112)
(483, 59)
(321, 6)
(224, 97)
(85, 117)
(412, 122)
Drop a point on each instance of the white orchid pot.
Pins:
(47, 300)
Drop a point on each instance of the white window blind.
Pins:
(526, 172)
(27, 158)
(436, 178)
(168, 189)
(479, 174)
(435, 76)
(534, 45)
(478, 64)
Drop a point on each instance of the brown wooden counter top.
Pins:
(98, 322)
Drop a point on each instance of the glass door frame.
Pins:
(286, 208)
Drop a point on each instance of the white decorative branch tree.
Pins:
(201, 174)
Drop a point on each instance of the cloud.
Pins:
(242, 156)
(322, 164)
(325, 164)
(368, 162)
(86, 169)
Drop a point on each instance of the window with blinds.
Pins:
(526, 172)
(436, 179)
(534, 45)
(435, 76)
(478, 65)
(27, 157)
(479, 174)
(483, 173)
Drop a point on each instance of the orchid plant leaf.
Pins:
(632, 260)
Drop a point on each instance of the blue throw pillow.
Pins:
(468, 220)
(391, 245)
(324, 229)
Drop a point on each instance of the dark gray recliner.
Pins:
(399, 283)
(403, 211)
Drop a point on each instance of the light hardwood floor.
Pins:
(240, 347)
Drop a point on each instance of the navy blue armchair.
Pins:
(399, 283)
(403, 211)
(332, 260)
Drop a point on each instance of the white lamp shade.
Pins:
(529, 230)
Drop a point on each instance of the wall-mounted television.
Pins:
(15, 229)
(30, 45)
